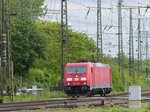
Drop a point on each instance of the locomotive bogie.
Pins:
(76, 90)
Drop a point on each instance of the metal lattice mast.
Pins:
(99, 30)
(143, 42)
(1, 48)
(9, 54)
(146, 50)
(131, 46)
(6, 61)
(20, 15)
(144, 46)
(3, 37)
(139, 42)
(20, 8)
(120, 41)
(4, 43)
(6, 46)
(64, 37)
(31, 10)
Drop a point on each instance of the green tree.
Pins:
(27, 42)
(80, 46)
(27, 8)
(27, 45)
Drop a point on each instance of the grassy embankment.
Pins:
(144, 108)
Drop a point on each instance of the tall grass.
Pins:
(144, 108)
(40, 96)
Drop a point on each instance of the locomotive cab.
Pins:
(76, 78)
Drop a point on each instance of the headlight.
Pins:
(68, 83)
(84, 83)
(69, 79)
(83, 78)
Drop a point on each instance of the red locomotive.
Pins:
(87, 78)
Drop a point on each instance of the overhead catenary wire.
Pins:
(86, 24)
(94, 11)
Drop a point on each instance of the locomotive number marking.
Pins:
(76, 79)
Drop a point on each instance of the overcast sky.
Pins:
(80, 20)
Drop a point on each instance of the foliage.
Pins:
(30, 9)
(122, 83)
(40, 96)
(27, 42)
(27, 45)
(81, 47)
(144, 108)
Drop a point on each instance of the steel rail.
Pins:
(116, 99)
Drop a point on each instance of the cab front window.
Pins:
(76, 69)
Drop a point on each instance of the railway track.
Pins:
(116, 99)
(126, 94)
(62, 103)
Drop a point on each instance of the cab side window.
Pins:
(91, 69)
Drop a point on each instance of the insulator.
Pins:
(4, 57)
(4, 51)
(3, 35)
(4, 38)
(4, 61)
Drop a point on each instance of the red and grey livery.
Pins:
(87, 78)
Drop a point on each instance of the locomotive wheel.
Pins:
(73, 96)
(103, 94)
(89, 94)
